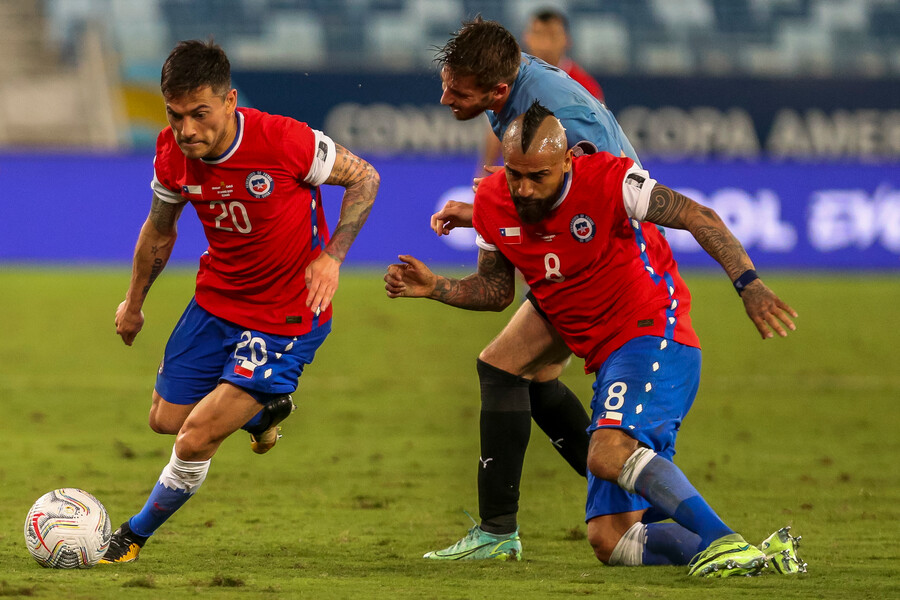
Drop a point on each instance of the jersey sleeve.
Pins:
(483, 237)
(163, 175)
(310, 154)
(636, 187)
(323, 162)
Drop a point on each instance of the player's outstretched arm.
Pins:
(360, 181)
(151, 253)
(453, 214)
(670, 209)
(457, 214)
(492, 287)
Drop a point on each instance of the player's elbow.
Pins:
(371, 180)
(504, 301)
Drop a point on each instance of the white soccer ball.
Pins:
(67, 529)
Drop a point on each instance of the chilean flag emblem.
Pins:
(244, 368)
(609, 418)
(511, 235)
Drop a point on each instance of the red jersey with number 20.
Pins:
(261, 211)
(600, 274)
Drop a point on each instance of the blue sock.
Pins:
(254, 421)
(667, 488)
(161, 504)
(670, 544)
(177, 483)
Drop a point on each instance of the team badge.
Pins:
(582, 228)
(259, 184)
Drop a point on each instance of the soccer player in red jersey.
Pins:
(262, 304)
(581, 231)
(483, 71)
(547, 37)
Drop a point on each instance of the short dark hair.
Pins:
(545, 15)
(484, 49)
(531, 122)
(194, 64)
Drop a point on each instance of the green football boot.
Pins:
(728, 556)
(780, 549)
(480, 545)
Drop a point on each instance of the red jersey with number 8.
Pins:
(601, 275)
(261, 211)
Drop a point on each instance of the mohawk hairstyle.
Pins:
(531, 122)
(194, 64)
(484, 49)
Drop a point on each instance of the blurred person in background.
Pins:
(546, 37)
(262, 304)
(581, 231)
(483, 71)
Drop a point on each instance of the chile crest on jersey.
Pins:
(260, 184)
(582, 228)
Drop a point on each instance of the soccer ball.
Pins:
(67, 529)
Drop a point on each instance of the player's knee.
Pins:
(490, 356)
(195, 442)
(162, 423)
(609, 450)
(551, 372)
(603, 543)
(601, 462)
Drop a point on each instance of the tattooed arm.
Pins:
(360, 181)
(492, 287)
(152, 252)
(671, 209)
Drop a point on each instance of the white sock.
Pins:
(184, 475)
(629, 551)
(633, 467)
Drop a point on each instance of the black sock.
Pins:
(505, 429)
(560, 414)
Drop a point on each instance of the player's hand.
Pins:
(128, 323)
(454, 214)
(767, 311)
(322, 281)
(412, 279)
(490, 170)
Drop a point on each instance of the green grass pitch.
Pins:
(378, 463)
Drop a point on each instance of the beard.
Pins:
(533, 210)
(469, 113)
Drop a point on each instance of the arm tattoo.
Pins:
(361, 181)
(491, 288)
(157, 246)
(157, 268)
(164, 215)
(666, 206)
(671, 209)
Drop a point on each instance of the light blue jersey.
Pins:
(584, 117)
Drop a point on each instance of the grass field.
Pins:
(378, 464)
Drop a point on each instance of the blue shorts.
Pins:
(205, 350)
(644, 388)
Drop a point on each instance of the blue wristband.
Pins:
(744, 280)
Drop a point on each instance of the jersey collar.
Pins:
(567, 184)
(238, 136)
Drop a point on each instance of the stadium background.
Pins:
(782, 114)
